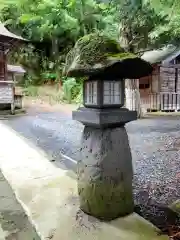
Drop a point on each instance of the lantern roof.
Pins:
(7, 34)
(97, 55)
(129, 68)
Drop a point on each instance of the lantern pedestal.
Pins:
(103, 118)
(105, 168)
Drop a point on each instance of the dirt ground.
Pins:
(43, 105)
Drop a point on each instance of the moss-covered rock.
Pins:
(95, 53)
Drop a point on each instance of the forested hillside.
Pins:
(53, 27)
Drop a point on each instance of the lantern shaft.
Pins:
(105, 173)
(105, 166)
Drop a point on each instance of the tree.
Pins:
(54, 26)
(138, 19)
(168, 33)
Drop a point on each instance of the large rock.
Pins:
(98, 54)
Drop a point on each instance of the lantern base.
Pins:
(104, 118)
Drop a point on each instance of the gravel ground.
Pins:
(155, 145)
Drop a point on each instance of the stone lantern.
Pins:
(104, 169)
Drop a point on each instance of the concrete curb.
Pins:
(19, 227)
(24, 206)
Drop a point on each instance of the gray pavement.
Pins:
(14, 224)
(155, 145)
(55, 133)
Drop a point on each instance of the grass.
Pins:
(49, 94)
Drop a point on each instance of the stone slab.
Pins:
(102, 118)
(49, 196)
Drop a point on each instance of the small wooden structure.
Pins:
(161, 90)
(15, 72)
(8, 41)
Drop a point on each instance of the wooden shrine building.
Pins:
(159, 91)
(8, 41)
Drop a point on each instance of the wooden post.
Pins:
(176, 79)
(12, 108)
(13, 100)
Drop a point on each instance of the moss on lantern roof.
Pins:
(122, 56)
(94, 53)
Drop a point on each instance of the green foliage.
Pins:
(70, 89)
(138, 19)
(169, 32)
(53, 28)
(79, 98)
(49, 75)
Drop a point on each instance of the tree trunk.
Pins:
(133, 100)
(54, 48)
(82, 17)
(55, 55)
(131, 86)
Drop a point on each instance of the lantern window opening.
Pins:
(91, 93)
(112, 92)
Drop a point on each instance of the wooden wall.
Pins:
(167, 79)
(170, 78)
(163, 79)
(3, 66)
(178, 81)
